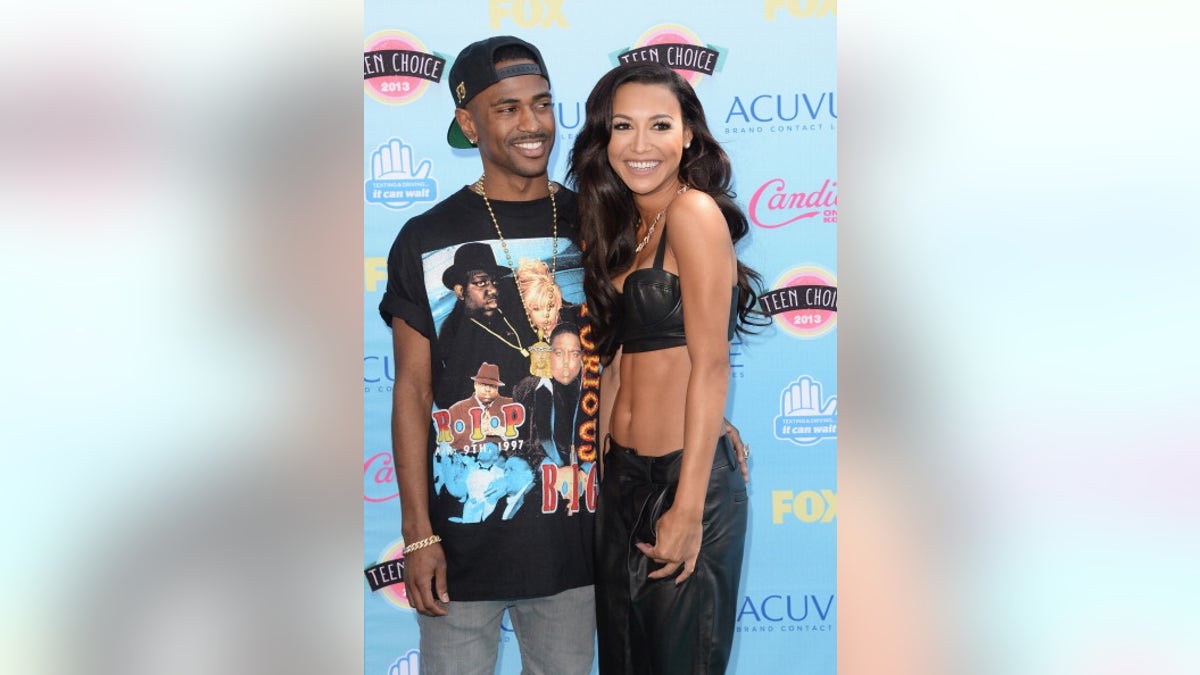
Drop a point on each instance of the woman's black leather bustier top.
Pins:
(652, 309)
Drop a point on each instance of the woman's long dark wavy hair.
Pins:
(606, 208)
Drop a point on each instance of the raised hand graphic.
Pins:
(803, 397)
(397, 180)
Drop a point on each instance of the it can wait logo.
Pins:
(806, 415)
(399, 176)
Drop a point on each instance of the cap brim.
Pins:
(456, 138)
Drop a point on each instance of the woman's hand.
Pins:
(740, 449)
(678, 543)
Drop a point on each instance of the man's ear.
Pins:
(467, 123)
(458, 290)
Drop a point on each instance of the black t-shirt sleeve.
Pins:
(405, 296)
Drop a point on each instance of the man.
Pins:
(478, 321)
(552, 404)
(467, 561)
(481, 415)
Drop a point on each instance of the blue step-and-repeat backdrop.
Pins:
(766, 73)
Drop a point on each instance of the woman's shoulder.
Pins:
(693, 198)
(698, 212)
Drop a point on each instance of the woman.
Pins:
(543, 298)
(664, 287)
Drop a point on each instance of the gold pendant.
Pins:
(539, 362)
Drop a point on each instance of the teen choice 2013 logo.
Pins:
(804, 301)
(675, 46)
(397, 67)
(387, 576)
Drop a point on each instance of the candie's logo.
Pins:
(804, 301)
(675, 46)
(379, 478)
(801, 9)
(397, 67)
(386, 578)
(772, 205)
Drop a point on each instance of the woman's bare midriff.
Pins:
(648, 412)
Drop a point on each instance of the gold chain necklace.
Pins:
(657, 218)
(479, 189)
(541, 346)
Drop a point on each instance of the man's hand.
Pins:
(425, 580)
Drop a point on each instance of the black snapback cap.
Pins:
(475, 70)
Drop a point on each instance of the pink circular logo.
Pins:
(814, 288)
(674, 37)
(397, 68)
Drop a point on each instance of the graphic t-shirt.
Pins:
(512, 438)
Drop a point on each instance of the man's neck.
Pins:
(513, 188)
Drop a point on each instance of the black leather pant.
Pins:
(653, 626)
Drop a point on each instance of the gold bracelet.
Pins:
(431, 539)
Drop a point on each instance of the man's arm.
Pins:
(412, 402)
